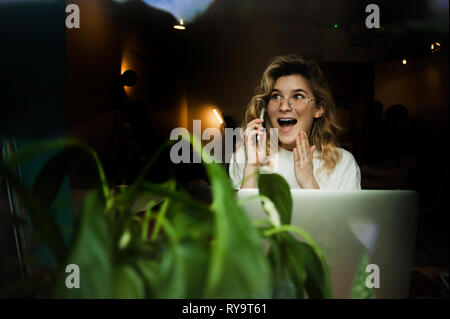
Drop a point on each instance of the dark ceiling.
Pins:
(407, 27)
(319, 12)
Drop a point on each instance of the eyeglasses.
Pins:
(297, 100)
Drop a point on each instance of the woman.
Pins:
(299, 105)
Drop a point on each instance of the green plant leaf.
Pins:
(194, 231)
(238, 267)
(196, 255)
(317, 283)
(359, 289)
(129, 194)
(179, 271)
(92, 251)
(161, 215)
(319, 253)
(276, 188)
(128, 283)
(37, 147)
(294, 264)
(175, 196)
(50, 178)
(182, 271)
(148, 270)
(171, 281)
(145, 224)
(297, 266)
(191, 224)
(280, 281)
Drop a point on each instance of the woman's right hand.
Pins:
(255, 152)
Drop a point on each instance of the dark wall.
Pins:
(33, 81)
(32, 94)
(125, 125)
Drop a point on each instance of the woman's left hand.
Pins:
(303, 162)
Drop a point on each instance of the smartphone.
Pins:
(261, 117)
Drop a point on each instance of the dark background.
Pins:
(66, 82)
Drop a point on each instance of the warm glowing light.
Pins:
(180, 26)
(218, 116)
(404, 61)
(126, 64)
(436, 46)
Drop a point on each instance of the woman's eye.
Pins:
(298, 96)
(275, 97)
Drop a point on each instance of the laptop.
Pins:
(345, 224)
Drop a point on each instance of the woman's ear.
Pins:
(318, 112)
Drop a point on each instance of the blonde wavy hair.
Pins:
(325, 129)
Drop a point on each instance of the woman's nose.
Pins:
(284, 105)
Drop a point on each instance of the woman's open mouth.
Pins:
(286, 124)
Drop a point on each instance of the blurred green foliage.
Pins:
(178, 248)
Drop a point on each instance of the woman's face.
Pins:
(290, 120)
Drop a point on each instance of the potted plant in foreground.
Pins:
(178, 248)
